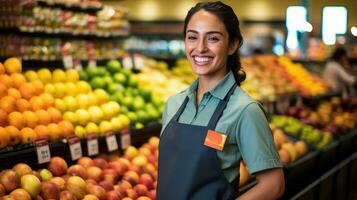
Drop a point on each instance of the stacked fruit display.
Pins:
(295, 128)
(90, 111)
(26, 112)
(289, 150)
(131, 176)
(307, 83)
(265, 78)
(138, 104)
(337, 116)
(156, 76)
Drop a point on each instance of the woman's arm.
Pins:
(270, 185)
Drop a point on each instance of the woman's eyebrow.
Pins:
(209, 32)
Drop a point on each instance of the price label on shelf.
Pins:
(92, 144)
(92, 63)
(43, 151)
(75, 147)
(111, 140)
(68, 62)
(125, 138)
(78, 65)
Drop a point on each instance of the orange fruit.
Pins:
(72, 75)
(44, 75)
(43, 117)
(14, 93)
(38, 85)
(13, 65)
(3, 118)
(36, 103)
(3, 90)
(47, 99)
(4, 138)
(30, 118)
(2, 68)
(56, 115)
(66, 128)
(23, 105)
(54, 132)
(31, 75)
(17, 79)
(8, 104)
(16, 119)
(27, 90)
(6, 80)
(41, 131)
(14, 135)
(28, 135)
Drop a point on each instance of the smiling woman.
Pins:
(213, 125)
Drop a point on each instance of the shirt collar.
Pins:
(219, 91)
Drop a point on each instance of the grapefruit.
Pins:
(13, 65)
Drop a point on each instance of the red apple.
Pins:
(144, 151)
(77, 170)
(2, 190)
(59, 181)
(120, 190)
(20, 194)
(136, 169)
(133, 174)
(49, 190)
(91, 181)
(9, 179)
(38, 197)
(95, 173)
(131, 193)
(155, 184)
(112, 195)
(77, 186)
(108, 186)
(152, 159)
(146, 180)
(141, 189)
(100, 162)
(147, 145)
(65, 177)
(152, 194)
(125, 184)
(113, 157)
(22, 169)
(90, 197)
(110, 175)
(86, 162)
(57, 166)
(149, 168)
(118, 167)
(96, 190)
(126, 162)
(67, 195)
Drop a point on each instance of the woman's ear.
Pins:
(232, 47)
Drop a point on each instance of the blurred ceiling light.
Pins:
(148, 10)
(354, 31)
(307, 27)
(334, 21)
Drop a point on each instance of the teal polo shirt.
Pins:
(248, 133)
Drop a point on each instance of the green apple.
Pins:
(46, 174)
(31, 184)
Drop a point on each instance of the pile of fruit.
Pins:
(307, 83)
(295, 128)
(289, 150)
(337, 116)
(138, 104)
(26, 112)
(112, 177)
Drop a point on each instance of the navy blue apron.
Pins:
(187, 168)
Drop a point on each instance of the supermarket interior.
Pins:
(84, 83)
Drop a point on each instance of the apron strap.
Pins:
(180, 110)
(220, 108)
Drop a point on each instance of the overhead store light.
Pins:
(334, 21)
(296, 22)
(354, 31)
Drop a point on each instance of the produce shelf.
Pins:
(79, 7)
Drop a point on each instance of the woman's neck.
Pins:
(205, 84)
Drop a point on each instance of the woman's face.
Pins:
(207, 45)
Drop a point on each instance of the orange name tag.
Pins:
(215, 140)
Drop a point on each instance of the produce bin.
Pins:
(346, 146)
(326, 187)
(328, 157)
(342, 179)
(353, 177)
(308, 193)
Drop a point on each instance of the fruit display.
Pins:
(27, 112)
(296, 128)
(307, 83)
(337, 116)
(132, 175)
(140, 105)
(163, 82)
(39, 48)
(289, 150)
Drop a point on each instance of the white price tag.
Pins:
(111, 140)
(125, 138)
(43, 151)
(78, 65)
(75, 147)
(92, 145)
(92, 63)
(68, 62)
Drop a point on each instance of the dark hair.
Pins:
(338, 54)
(230, 20)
